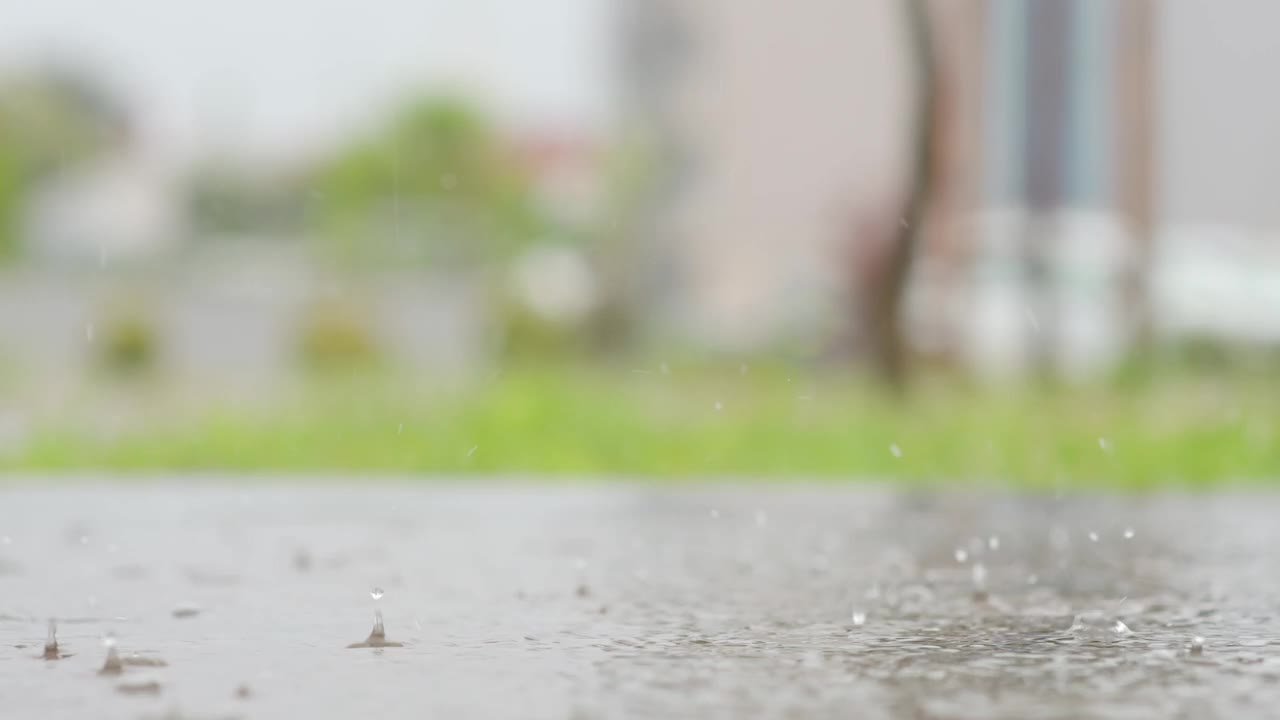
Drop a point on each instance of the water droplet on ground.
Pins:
(149, 687)
(184, 612)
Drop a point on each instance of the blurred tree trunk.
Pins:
(883, 302)
(948, 249)
(1134, 158)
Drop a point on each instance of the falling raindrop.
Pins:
(88, 332)
(742, 369)
(1032, 579)
(664, 368)
(1128, 533)
(962, 555)
(448, 181)
(719, 406)
(993, 542)
(1093, 536)
(473, 450)
(1104, 445)
(714, 513)
(400, 429)
(895, 450)
(761, 518)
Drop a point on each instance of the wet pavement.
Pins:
(240, 600)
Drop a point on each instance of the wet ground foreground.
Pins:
(630, 601)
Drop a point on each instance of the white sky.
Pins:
(283, 76)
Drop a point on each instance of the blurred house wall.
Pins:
(789, 122)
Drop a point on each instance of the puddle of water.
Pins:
(632, 601)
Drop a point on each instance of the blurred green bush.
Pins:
(336, 334)
(128, 343)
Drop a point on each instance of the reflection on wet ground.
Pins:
(633, 601)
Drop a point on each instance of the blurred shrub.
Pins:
(436, 185)
(128, 343)
(548, 303)
(337, 335)
(50, 121)
(526, 335)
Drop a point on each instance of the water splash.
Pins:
(378, 635)
(1120, 628)
(51, 643)
(979, 577)
(859, 618)
(1197, 646)
(113, 665)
